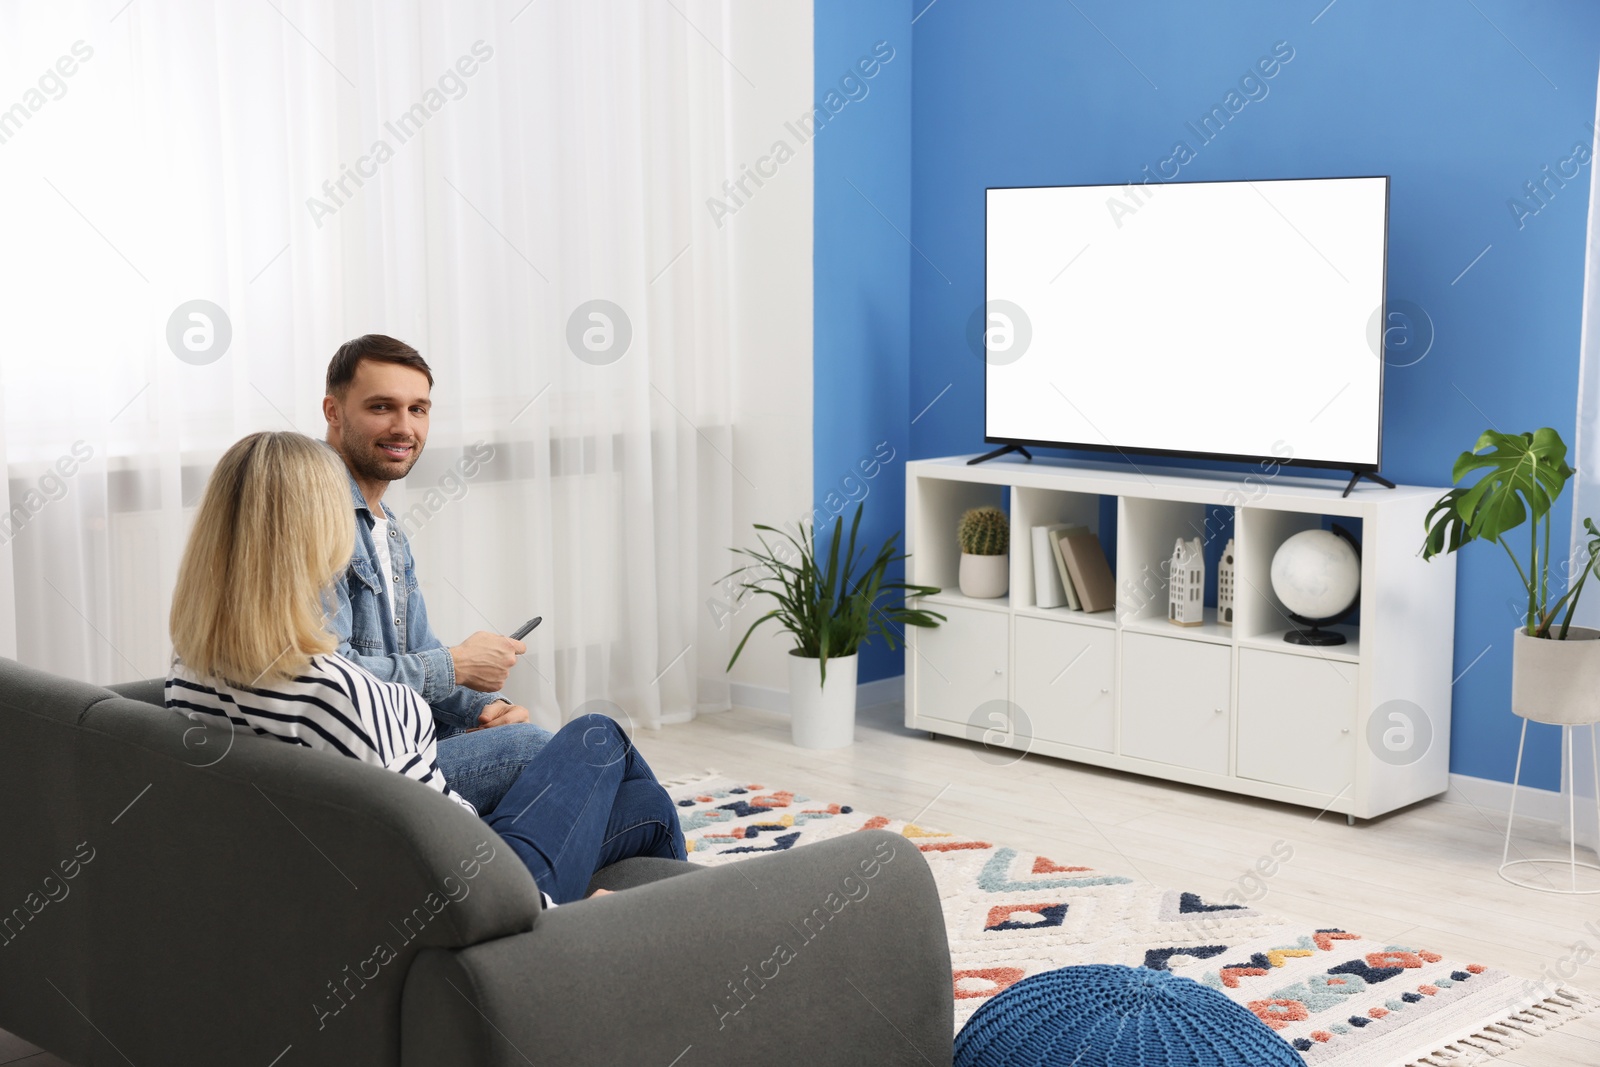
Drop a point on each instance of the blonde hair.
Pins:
(275, 528)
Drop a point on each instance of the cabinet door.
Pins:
(1297, 720)
(1175, 699)
(1064, 677)
(960, 665)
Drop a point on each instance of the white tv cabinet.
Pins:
(1361, 728)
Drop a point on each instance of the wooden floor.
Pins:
(1426, 874)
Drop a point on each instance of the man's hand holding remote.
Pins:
(484, 660)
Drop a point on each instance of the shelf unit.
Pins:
(1231, 707)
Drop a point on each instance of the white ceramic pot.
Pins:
(822, 716)
(985, 577)
(1556, 681)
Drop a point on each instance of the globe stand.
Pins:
(1316, 635)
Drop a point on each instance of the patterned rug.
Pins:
(1340, 999)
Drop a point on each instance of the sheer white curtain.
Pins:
(1586, 497)
(468, 177)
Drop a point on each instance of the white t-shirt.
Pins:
(380, 546)
(331, 704)
(334, 705)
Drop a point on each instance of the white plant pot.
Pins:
(1556, 681)
(985, 577)
(822, 716)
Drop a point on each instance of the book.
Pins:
(1089, 570)
(1056, 535)
(1047, 576)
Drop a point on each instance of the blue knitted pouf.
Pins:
(1108, 1015)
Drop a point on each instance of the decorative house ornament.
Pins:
(1225, 585)
(1186, 584)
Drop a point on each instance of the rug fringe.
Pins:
(1513, 1031)
(690, 779)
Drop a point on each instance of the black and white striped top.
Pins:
(333, 705)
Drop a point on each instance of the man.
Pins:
(377, 407)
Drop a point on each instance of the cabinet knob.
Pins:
(997, 670)
(1345, 730)
(1217, 710)
(1105, 689)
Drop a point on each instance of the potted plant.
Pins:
(1555, 669)
(832, 609)
(985, 537)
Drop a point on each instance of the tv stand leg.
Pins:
(1372, 476)
(997, 453)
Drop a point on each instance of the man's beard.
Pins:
(368, 461)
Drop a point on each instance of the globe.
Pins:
(1316, 574)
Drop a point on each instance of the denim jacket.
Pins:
(398, 646)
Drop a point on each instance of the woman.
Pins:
(250, 644)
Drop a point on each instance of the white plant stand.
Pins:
(1571, 863)
(1556, 681)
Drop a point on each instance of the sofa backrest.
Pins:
(179, 893)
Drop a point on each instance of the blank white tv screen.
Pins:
(1237, 319)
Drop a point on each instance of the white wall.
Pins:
(771, 235)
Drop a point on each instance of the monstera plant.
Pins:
(1523, 475)
(1555, 673)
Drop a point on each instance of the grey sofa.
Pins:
(171, 895)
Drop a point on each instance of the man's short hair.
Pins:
(374, 346)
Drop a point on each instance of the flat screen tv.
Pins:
(1238, 320)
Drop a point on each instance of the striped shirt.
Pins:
(333, 705)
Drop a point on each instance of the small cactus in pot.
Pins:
(985, 538)
(984, 532)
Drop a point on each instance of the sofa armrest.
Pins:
(147, 690)
(832, 953)
(640, 870)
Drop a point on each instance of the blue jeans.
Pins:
(481, 765)
(585, 802)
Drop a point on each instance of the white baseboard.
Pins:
(1494, 798)
(766, 698)
(759, 697)
(883, 691)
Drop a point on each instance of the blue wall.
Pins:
(862, 277)
(1461, 106)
